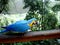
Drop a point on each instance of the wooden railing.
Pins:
(30, 36)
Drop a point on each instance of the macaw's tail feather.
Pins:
(2, 31)
(3, 27)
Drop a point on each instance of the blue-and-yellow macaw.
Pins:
(20, 26)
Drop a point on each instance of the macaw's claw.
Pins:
(14, 34)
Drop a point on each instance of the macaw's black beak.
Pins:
(36, 23)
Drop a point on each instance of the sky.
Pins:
(16, 6)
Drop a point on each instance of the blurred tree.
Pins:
(56, 8)
(49, 22)
(3, 5)
(45, 16)
(37, 10)
(42, 12)
(36, 6)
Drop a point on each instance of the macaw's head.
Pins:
(32, 22)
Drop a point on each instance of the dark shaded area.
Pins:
(3, 6)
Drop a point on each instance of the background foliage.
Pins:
(45, 16)
(3, 6)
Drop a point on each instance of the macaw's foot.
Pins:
(14, 34)
(29, 30)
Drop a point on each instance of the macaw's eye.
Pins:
(36, 23)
